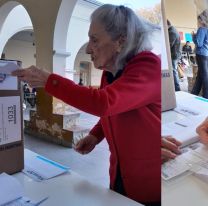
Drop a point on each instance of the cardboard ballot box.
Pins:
(11, 120)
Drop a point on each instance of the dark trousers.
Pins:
(119, 188)
(202, 76)
(175, 74)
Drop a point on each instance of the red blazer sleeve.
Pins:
(139, 85)
(97, 131)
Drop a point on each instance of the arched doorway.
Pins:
(9, 26)
(82, 67)
(21, 46)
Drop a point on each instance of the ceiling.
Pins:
(24, 36)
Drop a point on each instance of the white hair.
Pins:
(121, 21)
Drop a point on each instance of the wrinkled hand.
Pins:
(202, 130)
(169, 148)
(86, 145)
(34, 76)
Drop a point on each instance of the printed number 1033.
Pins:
(12, 114)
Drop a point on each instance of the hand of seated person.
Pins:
(202, 130)
(169, 148)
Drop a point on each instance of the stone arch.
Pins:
(5, 10)
(21, 46)
(8, 28)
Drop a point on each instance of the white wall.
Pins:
(78, 32)
(96, 76)
(20, 50)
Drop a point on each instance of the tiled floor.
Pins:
(93, 166)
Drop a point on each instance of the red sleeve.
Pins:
(139, 85)
(97, 131)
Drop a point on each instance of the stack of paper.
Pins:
(11, 193)
(184, 130)
(194, 158)
(174, 168)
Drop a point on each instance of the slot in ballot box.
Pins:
(11, 120)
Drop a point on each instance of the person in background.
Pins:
(128, 101)
(34, 90)
(200, 40)
(187, 48)
(174, 40)
(80, 81)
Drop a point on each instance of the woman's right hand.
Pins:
(86, 145)
(33, 75)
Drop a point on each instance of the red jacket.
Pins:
(130, 119)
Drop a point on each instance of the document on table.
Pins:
(8, 82)
(174, 168)
(184, 130)
(10, 120)
(202, 173)
(40, 168)
(195, 103)
(11, 193)
(187, 111)
(193, 158)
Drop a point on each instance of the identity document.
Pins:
(10, 120)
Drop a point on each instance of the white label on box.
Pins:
(10, 121)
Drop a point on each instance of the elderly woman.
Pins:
(201, 42)
(128, 101)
